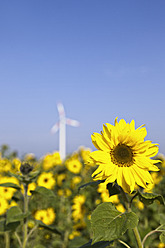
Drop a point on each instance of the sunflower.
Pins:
(75, 180)
(5, 165)
(7, 192)
(3, 205)
(17, 164)
(74, 165)
(46, 179)
(123, 155)
(31, 186)
(47, 216)
(51, 160)
(61, 178)
(78, 209)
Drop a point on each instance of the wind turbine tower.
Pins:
(61, 126)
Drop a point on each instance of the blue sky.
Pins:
(101, 59)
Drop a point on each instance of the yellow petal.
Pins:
(100, 156)
(132, 125)
(145, 163)
(97, 138)
(152, 151)
(141, 176)
(110, 169)
(129, 179)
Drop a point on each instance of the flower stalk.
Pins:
(128, 207)
(25, 226)
(7, 240)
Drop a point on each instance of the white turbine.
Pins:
(61, 126)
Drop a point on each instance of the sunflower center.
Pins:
(122, 155)
(46, 180)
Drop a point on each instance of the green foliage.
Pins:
(149, 198)
(8, 227)
(40, 190)
(94, 183)
(51, 228)
(10, 185)
(108, 224)
(162, 237)
(14, 214)
(101, 244)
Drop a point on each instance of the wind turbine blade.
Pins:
(60, 108)
(55, 128)
(73, 123)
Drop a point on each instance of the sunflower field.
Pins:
(90, 199)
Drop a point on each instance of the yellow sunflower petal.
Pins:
(129, 178)
(98, 140)
(100, 156)
(145, 163)
(121, 180)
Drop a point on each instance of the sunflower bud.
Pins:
(26, 168)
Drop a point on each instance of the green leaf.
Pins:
(14, 214)
(101, 244)
(2, 225)
(162, 237)
(34, 175)
(14, 175)
(162, 219)
(108, 224)
(76, 242)
(149, 198)
(43, 191)
(51, 228)
(39, 246)
(113, 189)
(9, 227)
(10, 185)
(94, 183)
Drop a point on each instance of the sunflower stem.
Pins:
(138, 238)
(122, 242)
(25, 226)
(128, 208)
(150, 233)
(7, 240)
(18, 238)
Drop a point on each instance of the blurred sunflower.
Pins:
(84, 153)
(3, 205)
(78, 209)
(17, 164)
(64, 192)
(7, 192)
(46, 179)
(74, 234)
(29, 157)
(74, 165)
(123, 155)
(47, 216)
(61, 179)
(75, 180)
(51, 160)
(5, 165)
(161, 245)
(31, 186)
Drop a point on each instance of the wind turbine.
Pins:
(61, 126)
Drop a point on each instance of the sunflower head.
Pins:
(123, 155)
